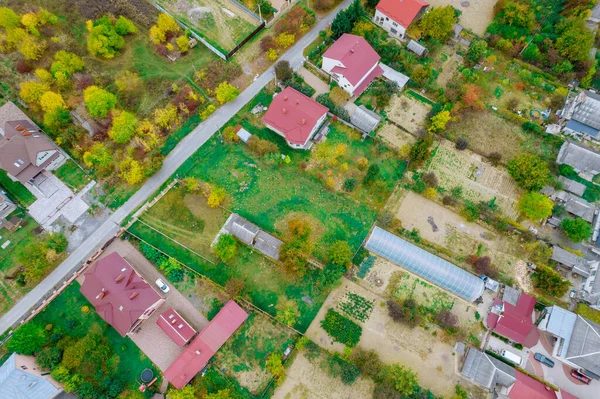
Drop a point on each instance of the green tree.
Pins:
(517, 14)
(57, 118)
(57, 242)
(274, 366)
(226, 92)
(98, 157)
(341, 24)
(575, 40)
(32, 91)
(123, 26)
(225, 248)
(419, 151)
(529, 171)
(8, 18)
(535, 206)
(28, 339)
(67, 63)
(187, 392)
(438, 22)
(103, 39)
(123, 127)
(48, 358)
(372, 173)
(99, 101)
(531, 53)
(287, 312)
(477, 49)
(220, 394)
(576, 229)
(340, 253)
(550, 281)
(402, 378)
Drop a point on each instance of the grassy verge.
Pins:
(16, 190)
(72, 175)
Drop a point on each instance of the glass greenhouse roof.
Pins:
(425, 265)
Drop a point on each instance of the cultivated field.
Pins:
(408, 113)
(480, 180)
(476, 15)
(221, 22)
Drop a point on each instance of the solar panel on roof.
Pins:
(426, 265)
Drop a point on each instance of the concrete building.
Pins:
(395, 16)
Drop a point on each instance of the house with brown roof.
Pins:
(395, 16)
(295, 117)
(120, 295)
(352, 63)
(25, 151)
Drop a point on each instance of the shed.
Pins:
(487, 371)
(395, 76)
(365, 119)
(580, 207)
(242, 229)
(572, 186)
(417, 48)
(243, 134)
(571, 261)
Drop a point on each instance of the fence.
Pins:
(250, 36)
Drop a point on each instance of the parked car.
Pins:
(543, 359)
(572, 294)
(583, 378)
(511, 357)
(162, 285)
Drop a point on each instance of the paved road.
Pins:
(174, 160)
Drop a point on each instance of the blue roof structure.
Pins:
(16, 383)
(428, 266)
(580, 127)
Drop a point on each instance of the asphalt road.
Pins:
(174, 160)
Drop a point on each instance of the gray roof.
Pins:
(417, 48)
(581, 158)
(560, 322)
(572, 186)
(19, 384)
(596, 11)
(511, 295)
(268, 245)
(580, 207)
(486, 370)
(251, 235)
(395, 76)
(584, 346)
(547, 190)
(588, 111)
(364, 119)
(570, 260)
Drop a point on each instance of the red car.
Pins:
(583, 378)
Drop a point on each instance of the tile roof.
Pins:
(197, 354)
(294, 115)
(570, 260)
(527, 388)
(175, 327)
(251, 235)
(572, 186)
(118, 293)
(402, 11)
(580, 207)
(356, 55)
(584, 346)
(588, 111)
(515, 322)
(374, 74)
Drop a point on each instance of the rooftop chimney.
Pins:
(173, 321)
(20, 128)
(303, 121)
(101, 295)
(120, 278)
(297, 101)
(132, 296)
(198, 352)
(285, 98)
(284, 110)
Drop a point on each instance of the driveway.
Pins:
(186, 148)
(151, 339)
(496, 346)
(314, 82)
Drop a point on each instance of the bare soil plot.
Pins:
(394, 136)
(449, 67)
(480, 180)
(305, 379)
(476, 16)
(432, 359)
(408, 113)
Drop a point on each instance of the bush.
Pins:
(483, 266)
(550, 281)
(430, 179)
(349, 184)
(226, 247)
(340, 253)
(494, 158)
(461, 144)
(576, 229)
(446, 319)
(28, 339)
(341, 329)
(395, 311)
(261, 146)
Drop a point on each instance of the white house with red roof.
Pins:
(352, 63)
(295, 117)
(395, 16)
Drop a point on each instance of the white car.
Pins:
(162, 285)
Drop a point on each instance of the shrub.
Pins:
(341, 329)
(261, 146)
(430, 179)
(225, 248)
(529, 171)
(550, 281)
(535, 206)
(28, 339)
(446, 319)
(461, 144)
(395, 311)
(576, 229)
(99, 101)
(349, 184)
(494, 158)
(340, 253)
(283, 71)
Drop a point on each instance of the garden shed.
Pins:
(365, 119)
(426, 265)
(417, 48)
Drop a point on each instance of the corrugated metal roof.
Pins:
(426, 265)
(584, 346)
(560, 324)
(19, 384)
(395, 76)
(588, 111)
(417, 48)
(572, 186)
(570, 260)
(365, 119)
(581, 158)
(487, 371)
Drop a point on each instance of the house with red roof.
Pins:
(120, 295)
(175, 327)
(295, 117)
(512, 317)
(352, 63)
(198, 353)
(395, 16)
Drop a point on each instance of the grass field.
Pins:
(18, 238)
(16, 190)
(72, 175)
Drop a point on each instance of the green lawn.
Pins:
(66, 317)
(16, 190)
(72, 175)
(18, 238)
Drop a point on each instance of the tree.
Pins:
(157, 35)
(439, 121)
(529, 171)
(550, 281)
(287, 312)
(285, 40)
(98, 156)
(576, 229)
(167, 24)
(341, 24)
(261, 146)
(477, 49)
(226, 92)
(340, 253)
(8, 18)
(99, 101)
(216, 197)
(395, 311)
(438, 23)
(172, 269)
(531, 53)
(472, 97)
(483, 266)
(446, 318)
(31, 91)
(419, 151)
(274, 366)
(131, 171)
(103, 39)
(123, 26)
(57, 118)
(220, 394)
(28, 339)
(461, 144)
(402, 378)
(517, 14)
(339, 96)
(575, 39)
(50, 101)
(166, 118)
(67, 63)
(57, 242)
(183, 43)
(48, 358)
(535, 206)
(283, 71)
(31, 47)
(123, 127)
(494, 158)
(225, 248)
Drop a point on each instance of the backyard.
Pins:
(72, 175)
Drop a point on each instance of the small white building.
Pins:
(395, 16)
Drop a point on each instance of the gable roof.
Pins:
(487, 371)
(402, 11)
(580, 207)
(570, 260)
(416, 47)
(365, 119)
(355, 54)
(175, 327)
(515, 322)
(587, 112)
(526, 387)
(581, 158)
(251, 235)
(19, 384)
(195, 357)
(118, 293)
(584, 345)
(294, 115)
(572, 186)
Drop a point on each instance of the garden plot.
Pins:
(395, 137)
(432, 358)
(221, 22)
(480, 180)
(476, 15)
(408, 113)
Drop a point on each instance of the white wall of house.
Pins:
(57, 163)
(389, 25)
(329, 64)
(310, 136)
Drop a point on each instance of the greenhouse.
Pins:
(428, 266)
